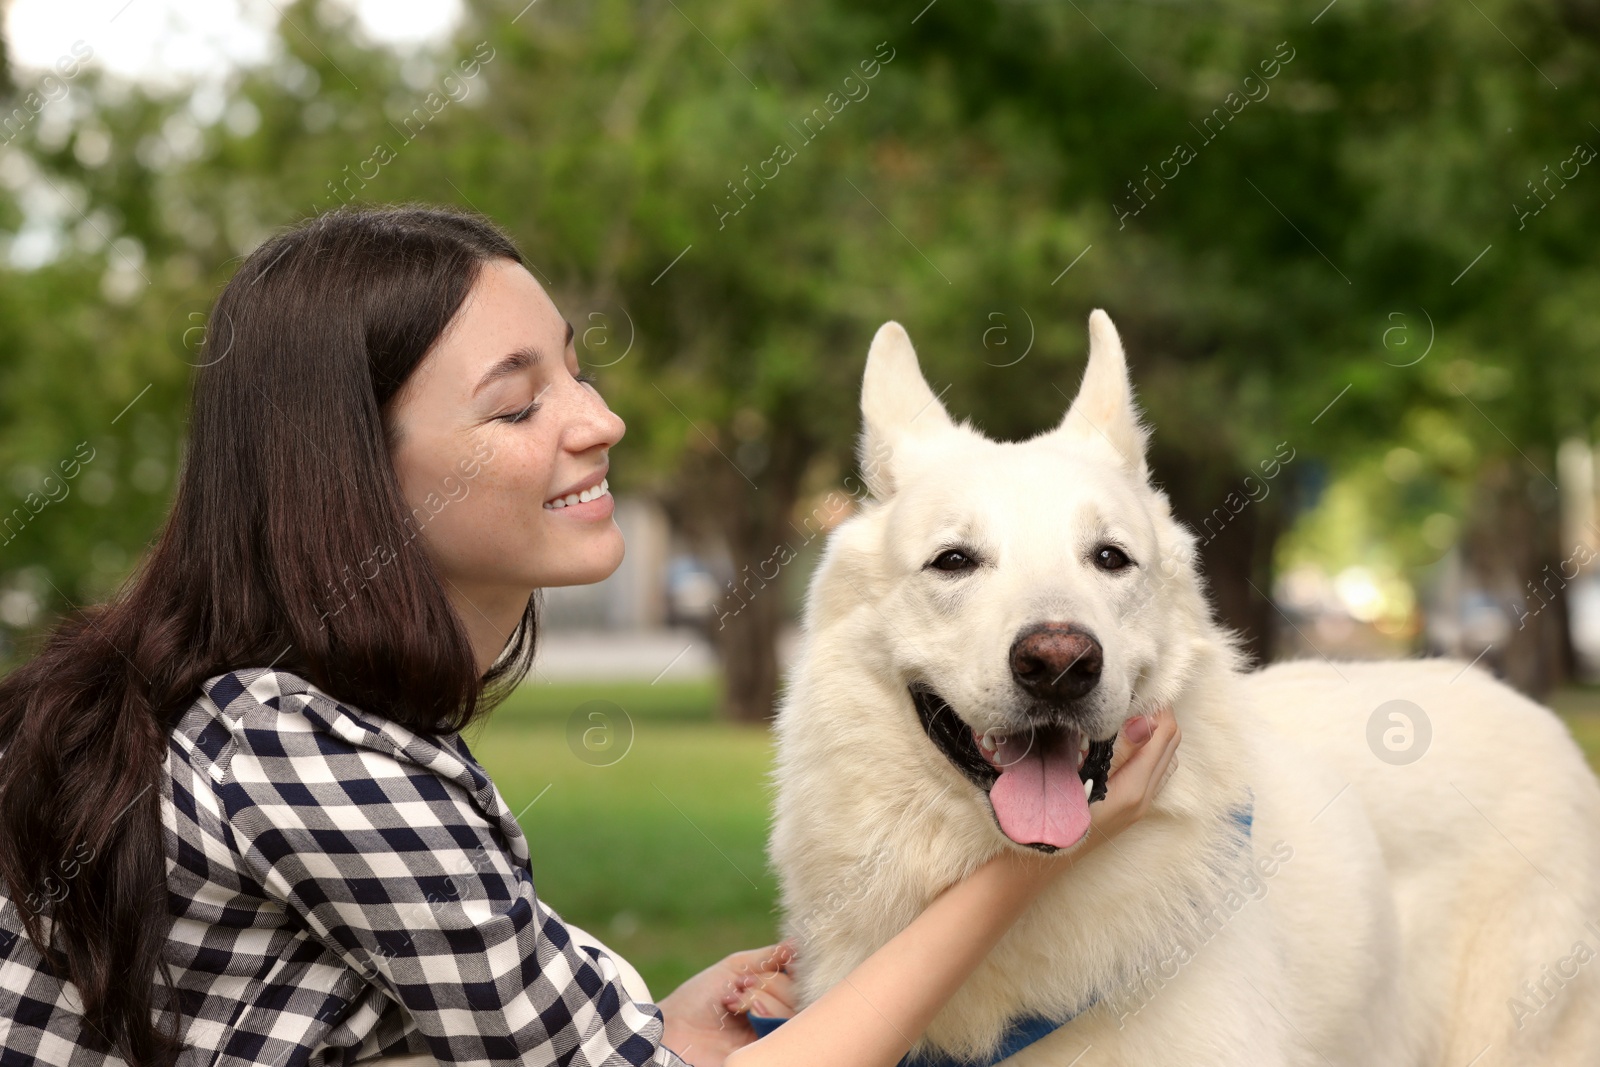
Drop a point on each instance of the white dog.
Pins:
(1354, 864)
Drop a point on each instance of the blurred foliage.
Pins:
(1366, 204)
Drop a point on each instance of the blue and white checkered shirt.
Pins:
(343, 888)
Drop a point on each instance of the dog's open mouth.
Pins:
(1039, 781)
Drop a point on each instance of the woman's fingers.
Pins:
(779, 991)
(1134, 781)
(1167, 759)
(1141, 744)
(771, 993)
(761, 981)
(1135, 732)
(776, 957)
(1172, 765)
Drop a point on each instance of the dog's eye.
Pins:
(953, 559)
(1111, 558)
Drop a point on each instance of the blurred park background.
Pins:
(1350, 247)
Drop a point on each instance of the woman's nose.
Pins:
(597, 425)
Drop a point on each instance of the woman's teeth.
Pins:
(579, 498)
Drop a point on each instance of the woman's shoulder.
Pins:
(269, 742)
(277, 713)
(270, 699)
(246, 689)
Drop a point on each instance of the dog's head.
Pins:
(1032, 594)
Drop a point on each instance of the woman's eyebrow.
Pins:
(519, 360)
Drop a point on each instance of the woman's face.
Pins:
(495, 425)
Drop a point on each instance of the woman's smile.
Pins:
(589, 499)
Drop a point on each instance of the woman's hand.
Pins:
(1143, 758)
(703, 1026)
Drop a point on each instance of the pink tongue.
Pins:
(1039, 797)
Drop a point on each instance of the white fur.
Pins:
(1406, 904)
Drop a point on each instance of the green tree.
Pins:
(725, 194)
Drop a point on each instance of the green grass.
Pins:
(554, 702)
(656, 845)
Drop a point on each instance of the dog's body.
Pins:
(1375, 913)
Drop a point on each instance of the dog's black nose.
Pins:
(1056, 661)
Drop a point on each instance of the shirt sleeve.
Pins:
(394, 869)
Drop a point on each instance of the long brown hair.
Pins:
(286, 484)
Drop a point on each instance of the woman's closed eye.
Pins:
(519, 416)
(523, 414)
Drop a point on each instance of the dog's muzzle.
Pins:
(1039, 780)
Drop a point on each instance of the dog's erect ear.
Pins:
(1104, 406)
(896, 403)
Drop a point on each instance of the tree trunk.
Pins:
(1236, 535)
(1511, 550)
(740, 497)
(747, 644)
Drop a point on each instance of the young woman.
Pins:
(238, 823)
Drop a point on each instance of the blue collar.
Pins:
(1021, 1031)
